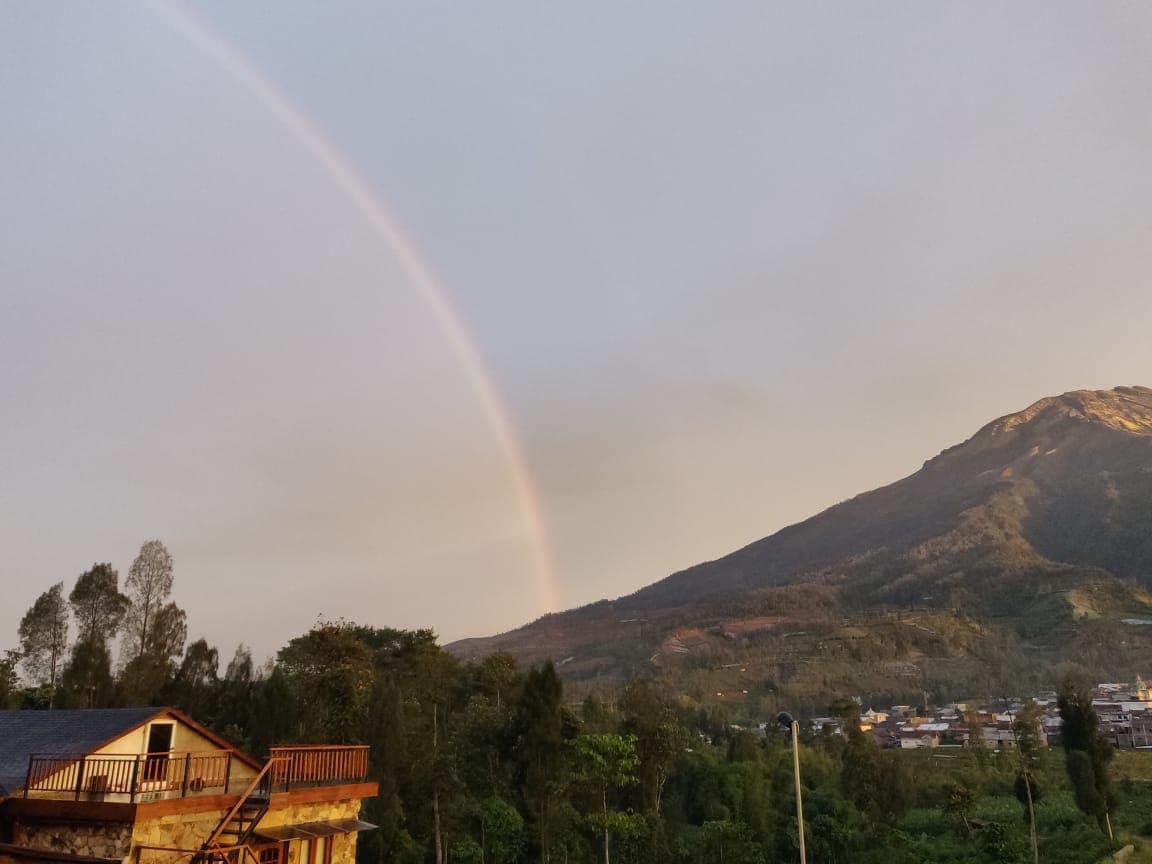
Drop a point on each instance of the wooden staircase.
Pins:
(228, 843)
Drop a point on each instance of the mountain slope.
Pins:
(1038, 517)
(1057, 480)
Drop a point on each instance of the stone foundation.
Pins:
(96, 839)
(176, 831)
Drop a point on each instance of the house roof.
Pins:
(23, 733)
(222, 743)
(912, 731)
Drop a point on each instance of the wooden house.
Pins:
(153, 786)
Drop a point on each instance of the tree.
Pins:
(539, 735)
(9, 680)
(200, 665)
(44, 637)
(168, 634)
(194, 688)
(605, 762)
(661, 740)
(149, 584)
(236, 695)
(1087, 755)
(98, 608)
(97, 604)
(149, 671)
(874, 780)
(330, 672)
(86, 681)
(976, 743)
(958, 803)
(1026, 728)
(241, 670)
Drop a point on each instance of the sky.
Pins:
(449, 315)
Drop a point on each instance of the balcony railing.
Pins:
(130, 777)
(326, 765)
(149, 776)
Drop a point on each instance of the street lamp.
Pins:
(786, 720)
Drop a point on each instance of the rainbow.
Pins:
(388, 229)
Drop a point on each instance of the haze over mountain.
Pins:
(1036, 527)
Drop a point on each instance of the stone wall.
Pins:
(190, 830)
(175, 831)
(325, 811)
(95, 839)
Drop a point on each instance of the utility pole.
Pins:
(786, 720)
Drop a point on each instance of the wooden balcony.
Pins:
(133, 778)
(128, 778)
(318, 765)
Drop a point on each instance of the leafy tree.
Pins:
(9, 679)
(416, 724)
(730, 842)
(86, 681)
(234, 698)
(501, 831)
(539, 734)
(241, 669)
(497, 677)
(875, 781)
(98, 607)
(194, 687)
(482, 733)
(273, 715)
(329, 671)
(200, 666)
(958, 803)
(606, 762)
(1026, 728)
(661, 739)
(148, 672)
(1087, 755)
(44, 637)
(149, 584)
(996, 843)
(594, 716)
(976, 743)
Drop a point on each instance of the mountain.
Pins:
(1026, 546)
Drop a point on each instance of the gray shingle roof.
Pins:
(23, 733)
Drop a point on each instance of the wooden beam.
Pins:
(320, 794)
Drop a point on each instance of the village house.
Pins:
(1124, 712)
(918, 735)
(873, 718)
(153, 786)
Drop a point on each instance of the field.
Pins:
(946, 828)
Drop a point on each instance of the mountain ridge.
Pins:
(1036, 504)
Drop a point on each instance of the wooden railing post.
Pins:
(184, 785)
(228, 772)
(135, 781)
(28, 779)
(80, 776)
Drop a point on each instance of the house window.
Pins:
(272, 854)
(318, 850)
